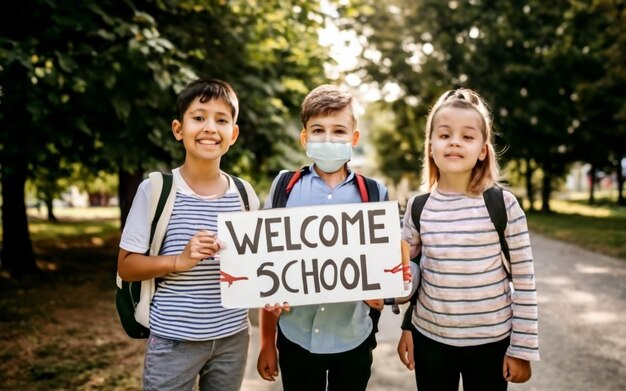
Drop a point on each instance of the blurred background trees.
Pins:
(553, 74)
(88, 88)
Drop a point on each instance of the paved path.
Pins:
(582, 327)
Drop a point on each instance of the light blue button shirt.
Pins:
(332, 327)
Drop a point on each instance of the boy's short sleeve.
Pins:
(136, 233)
(270, 194)
(382, 191)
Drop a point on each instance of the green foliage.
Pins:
(100, 80)
(95, 83)
(551, 72)
(398, 145)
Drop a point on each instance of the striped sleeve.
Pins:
(409, 233)
(524, 334)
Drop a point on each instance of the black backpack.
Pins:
(132, 310)
(368, 190)
(494, 201)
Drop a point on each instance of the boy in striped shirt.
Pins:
(191, 334)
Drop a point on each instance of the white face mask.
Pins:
(329, 157)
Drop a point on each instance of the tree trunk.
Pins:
(128, 183)
(592, 183)
(17, 252)
(546, 191)
(529, 184)
(620, 183)
(48, 199)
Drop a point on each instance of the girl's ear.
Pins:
(483, 153)
(177, 129)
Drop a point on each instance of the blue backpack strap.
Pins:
(242, 191)
(494, 200)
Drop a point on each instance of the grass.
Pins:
(59, 328)
(600, 228)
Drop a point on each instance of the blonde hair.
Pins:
(485, 173)
(325, 100)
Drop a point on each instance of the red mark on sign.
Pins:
(225, 277)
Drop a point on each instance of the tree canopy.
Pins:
(550, 72)
(96, 83)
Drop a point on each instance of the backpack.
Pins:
(368, 190)
(494, 201)
(132, 298)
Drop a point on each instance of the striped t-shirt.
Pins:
(464, 298)
(187, 305)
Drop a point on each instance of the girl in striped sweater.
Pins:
(469, 319)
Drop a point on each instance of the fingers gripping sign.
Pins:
(202, 245)
(277, 308)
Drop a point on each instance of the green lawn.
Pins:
(599, 228)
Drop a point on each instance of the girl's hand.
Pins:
(202, 245)
(516, 370)
(405, 350)
(277, 309)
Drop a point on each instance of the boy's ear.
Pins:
(235, 134)
(356, 135)
(177, 129)
(303, 138)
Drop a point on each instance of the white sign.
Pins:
(310, 255)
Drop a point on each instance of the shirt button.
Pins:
(317, 331)
(330, 196)
(322, 309)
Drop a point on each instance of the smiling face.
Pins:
(207, 129)
(457, 141)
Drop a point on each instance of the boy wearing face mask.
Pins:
(327, 345)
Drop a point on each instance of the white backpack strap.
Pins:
(148, 287)
(159, 233)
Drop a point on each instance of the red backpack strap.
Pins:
(284, 184)
(360, 182)
(295, 178)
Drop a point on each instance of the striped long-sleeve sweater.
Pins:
(465, 298)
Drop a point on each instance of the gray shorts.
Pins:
(176, 365)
